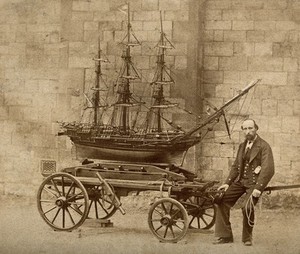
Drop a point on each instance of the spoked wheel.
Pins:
(101, 204)
(201, 212)
(168, 220)
(58, 199)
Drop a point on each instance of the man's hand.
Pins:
(223, 187)
(256, 193)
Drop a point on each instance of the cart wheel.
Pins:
(168, 220)
(101, 204)
(201, 212)
(58, 199)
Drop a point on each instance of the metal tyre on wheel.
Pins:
(58, 199)
(168, 220)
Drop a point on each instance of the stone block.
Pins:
(19, 189)
(217, 25)
(151, 25)
(293, 78)
(111, 25)
(297, 108)
(218, 35)
(235, 63)
(276, 36)
(73, 31)
(219, 4)
(170, 5)
(103, 5)
(204, 163)
(81, 6)
(220, 163)
(236, 15)
(255, 106)
(15, 113)
(18, 99)
(290, 124)
(274, 125)
(181, 31)
(286, 25)
(246, 5)
(285, 93)
(150, 5)
(265, 64)
(146, 16)
(269, 107)
(30, 114)
(4, 113)
(226, 150)
(244, 49)
(243, 25)
(177, 15)
(285, 107)
(282, 139)
(295, 166)
(90, 25)
(289, 153)
(263, 49)
(218, 49)
(109, 16)
(275, 4)
(92, 37)
(255, 36)
(80, 62)
(265, 25)
(214, 15)
(211, 63)
(142, 62)
(180, 62)
(290, 64)
(266, 14)
(213, 77)
(231, 76)
(235, 36)
(208, 35)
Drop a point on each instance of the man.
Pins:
(250, 173)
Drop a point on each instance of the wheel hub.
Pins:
(166, 220)
(61, 202)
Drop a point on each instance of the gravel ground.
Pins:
(24, 231)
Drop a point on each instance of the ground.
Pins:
(24, 231)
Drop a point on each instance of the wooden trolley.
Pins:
(93, 190)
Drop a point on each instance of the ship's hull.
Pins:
(155, 152)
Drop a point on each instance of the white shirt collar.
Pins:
(250, 143)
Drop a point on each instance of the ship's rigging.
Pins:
(120, 137)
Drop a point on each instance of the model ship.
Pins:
(120, 138)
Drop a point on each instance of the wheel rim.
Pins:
(59, 198)
(167, 220)
(201, 212)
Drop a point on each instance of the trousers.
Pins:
(233, 193)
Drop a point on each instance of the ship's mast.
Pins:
(97, 89)
(162, 77)
(128, 73)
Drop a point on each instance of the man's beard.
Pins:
(250, 137)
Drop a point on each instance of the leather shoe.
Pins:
(248, 243)
(223, 240)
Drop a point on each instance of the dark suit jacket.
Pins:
(261, 155)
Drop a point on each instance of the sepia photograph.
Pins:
(150, 126)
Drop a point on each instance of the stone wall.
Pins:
(46, 62)
(46, 47)
(246, 40)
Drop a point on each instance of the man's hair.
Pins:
(249, 119)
